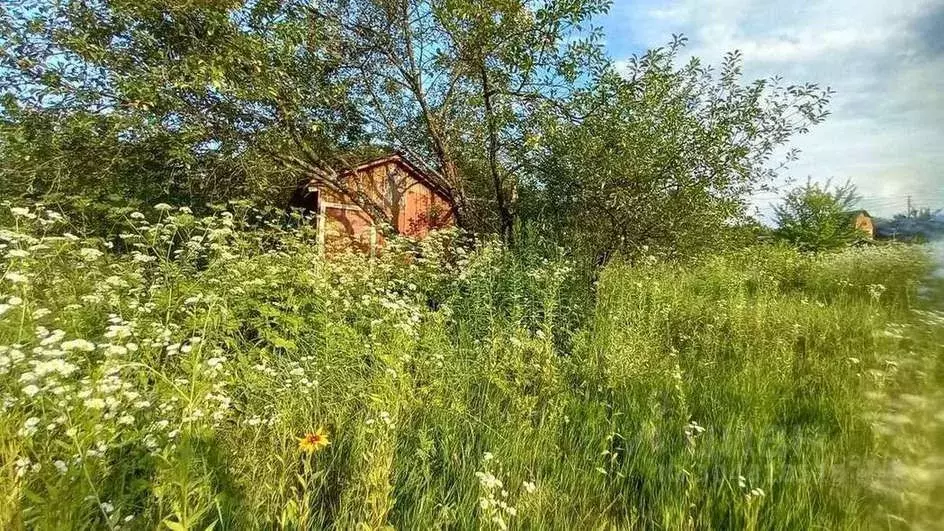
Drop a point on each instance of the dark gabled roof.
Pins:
(854, 213)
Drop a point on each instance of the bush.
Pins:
(816, 217)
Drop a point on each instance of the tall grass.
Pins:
(161, 373)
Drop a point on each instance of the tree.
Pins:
(514, 103)
(661, 157)
(164, 98)
(817, 217)
(466, 74)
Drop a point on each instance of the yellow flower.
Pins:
(313, 442)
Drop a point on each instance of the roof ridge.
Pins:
(416, 170)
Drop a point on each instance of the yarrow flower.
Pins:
(21, 212)
(90, 254)
(313, 441)
(14, 277)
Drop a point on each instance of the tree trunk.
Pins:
(504, 212)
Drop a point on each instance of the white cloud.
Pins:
(884, 59)
(805, 45)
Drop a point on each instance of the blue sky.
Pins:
(884, 59)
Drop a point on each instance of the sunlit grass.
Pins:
(168, 371)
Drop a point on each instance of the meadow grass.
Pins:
(157, 370)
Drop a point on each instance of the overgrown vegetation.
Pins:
(514, 107)
(163, 372)
(605, 342)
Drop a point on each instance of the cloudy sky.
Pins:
(884, 59)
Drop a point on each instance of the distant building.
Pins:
(415, 203)
(926, 226)
(863, 222)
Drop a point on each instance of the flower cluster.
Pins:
(494, 501)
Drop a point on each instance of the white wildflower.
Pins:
(115, 350)
(29, 427)
(78, 344)
(94, 403)
(22, 466)
(14, 277)
(90, 254)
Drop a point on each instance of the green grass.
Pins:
(460, 388)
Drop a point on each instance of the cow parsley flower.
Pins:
(29, 427)
(78, 344)
(15, 278)
(94, 403)
(90, 254)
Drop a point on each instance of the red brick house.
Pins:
(415, 203)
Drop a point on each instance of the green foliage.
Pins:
(664, 157)
(167, 100)
(515, 106)
(455, 82)
(816, 217)
(161, 372)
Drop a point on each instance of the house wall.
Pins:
(864, 224)
(414, 208)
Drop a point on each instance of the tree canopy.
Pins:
(512, 105)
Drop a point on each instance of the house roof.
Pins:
(415, 171)
(853, 213)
